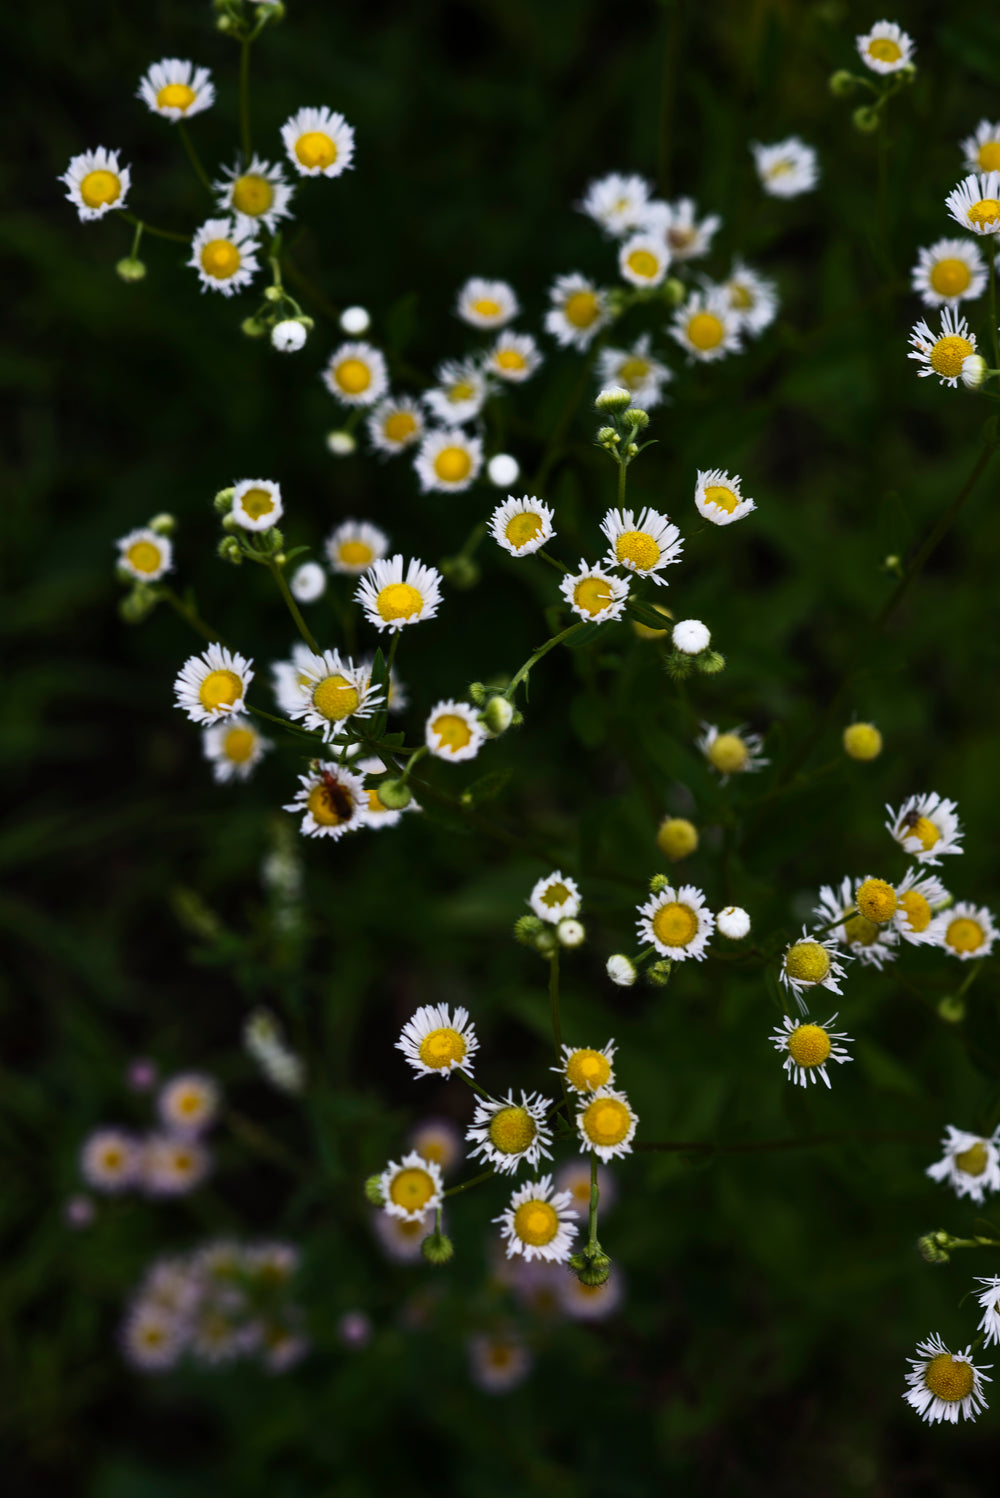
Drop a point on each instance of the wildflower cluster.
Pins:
(170, 1160)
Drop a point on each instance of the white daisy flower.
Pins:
(392, 600)
(948, 272)
(438, 1039)
(521, 526)
(189, 1103)
(257, 504)
(808, 1046)
(583, 1069)
(459, 394)
(288, 681)
(448, 461)
(873, 945)
(412, 1189)
(644, 546)
(970, 1164)
(234, 748)
(811, 962)
(499, 1363)
(643, 260)
(145, 555)
(982, 149)
(224, 256)
(508, 1134)
(975, 203)
(176, 89)
(256, 194)
(395, 424)
(437, 1139)
(686, 238)
(719, 497)
(95, 183)
(943, 1384)
(334, 689)
(706, 327)
(319, 142)
(486, 304)
(213, 684)
(595, 595)
(356, 374)
(786, 169)
(917, 896)
(752, 298)
(555, 898)
(926, 827)
(307, 583)
(513, 357)
(578, 311)
(540, 1223)
(618, 203)
(109, 1160)
(634, 370)
(606, 1124)
(152, 1338)
(989, 1302)
(944, 353)
(354, 546)
(966, 931)
(677, 922)
(453, 731)
(885, 49)
(733, 752)
(400, 1238)
(173, 1164)
(332, 800)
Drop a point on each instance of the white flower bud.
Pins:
(498, 715)
(733, 922)
(341, 444)
(307, 583)
(288, 335)
(355, 320)
(973, 371)
(691, 636)
(621, 970)
(503, 470)
(571, 933)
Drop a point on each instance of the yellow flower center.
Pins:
(462, 391)
(916, 910)
(144, 556)
(974, 1160)
(807, 961)
(335, 698)
(729, 754)
(100, 187)
(411, 1188)
(256, 503)
(638, 548)
(499, 1355)
(679, 239)
(705, 330)
(189, 1102)
(175, 96)
(356, 554)
(316, 149)
(809, 1045)
(989, 155)
(353, 376)
(675, 925)
(581, 309)
(238, 744)
(509, 358)
(593, 594)
(512, 1130)
(452, 465)
(252, 195)
(723, 498)
(555, 895)
(220, 690)
(523, 528)
(948, 1378)
(220, 259)
(739, 296)
(606, 1121)
(588, 1069)
(643, 263)
(632, 372)
(676, 838)
(536, 1223)
(877, 900)
(399, 426)
(452, 732)
(442, 1048)
(948, 354)
(330, 804)
(399, 601)
(922, 828)
(860, 932)
(950, 277)
(486, 307)
(376, 804)
(986, 211)
(965, 935)
(862, 741)
(112, 1158)
(883, 49)
(432, 1149)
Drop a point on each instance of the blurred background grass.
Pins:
(772, 1298)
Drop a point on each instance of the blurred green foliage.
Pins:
(772, 1297)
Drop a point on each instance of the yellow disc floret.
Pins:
(353, 376)
(452, 731)
(964, 935)
(633, 371)
(676, 838)
(989, 156)
(922, 828)
(335, 698)
(877, 900)
(593, 595)
(399, 601)
(98, 188)
(809, 1045)
(356, 554)
(643, 263)
(176, 96)
(257, 503)
(411, 1188)
(862, 741)
(588, 1070)
(509, 358)
(807, 962)
(986, 211)
(728, 753)
(950, 277)
(486, 307)
(316, 149)
(399, 426)
(705, 330)
(452, 465)
(884, 49)
(860, 931)
(916, 911)
(975, 1159)
(721, 497)
(536, 1223)
(252, 195)
(675, 925)
(512, 1130)
(581, 309)
(523, 528)
(948, 355)
(144, 556)
(606, 1121)
(949, 1378)
(220, 690)
(238, 744)
(443, 1047)
(638, 548)
(220, 259)
(555, 895)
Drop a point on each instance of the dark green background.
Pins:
(772, 1298)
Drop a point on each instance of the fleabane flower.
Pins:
(643, 260)
(213, 685)
(989, 1304)
(486, 304)
(413, 1188)
(173, 1164)
(224, 256)
(392, 600)
(95, 183)
(786, 169)
(437, 1039)
(513, 358)
(395, 424)
(873, 944)
(509, 1134)
(808, 1046)
(255, 195)
(966, 931)
(145, 555)
(686, 237)
(578, 311)
(943, 353)
(354, 546)
(319, 142)
(189, 1103)
(459, 393)
(718, 496)
(982, 148)
(886, 48)
(584, 1069)
(332, 800)
(927, 827)
(948, 272)
(109, 1160)
(176, 89)
(606, 1124)
(448, 461)
(257, 504)
(733, 752)
(634, 370)
(521, 526)
(677, 922)
(975, 203)
(917, 895)
(540, 1223)
(618, 203)
(437, 1139)
(811, 962)
(944, 1385)
(555, 898)
(498, 1363)
(453, 731)
(356, 374)
(970, 1164)
(234, 748)
(752, 298)
(594, 595)
(706, 327)
(333, 690)
(644, 546)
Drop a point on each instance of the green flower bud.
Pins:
(223, 501)
(498, 717)
(437, 1249)
(135, 606)
(635, 418)
(673, 291)
(907, 72)
(842, 84)
(478, 694)
(591, 1266)
(163, 524)
(130, 270)
(546, 943)
(710, 662)
(274, 294)
(951, 1009)
(250, 327)
(461, 572)
(373, 1191)
(865, 119)
(527, 928)
(229, 551)
(678, 665)
(930, 1250)
(659, 883)
(394, 794)
(271, 541)
(612, 399)
(659, 974)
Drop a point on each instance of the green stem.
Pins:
(190, 615)
(543, 650)
(293, 728)
(468, 1185)
(245, 100)
(474, 1085)
(622, 473)
(552, 561)
(136, 238)
(592, 1224)
(293, 608)
(194, 158)
(141, 224)
(414, 758)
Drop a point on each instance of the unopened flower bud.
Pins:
(498, 716)
(862, 741)
(733, 922)
(307, 583)
(545, 942)
(503, 470)
(673, 291)
(676, 838)
(461, 572)
(634, 417)
(373, 1191)
(571, 933)
(711, 663)
(394, 795)
(229, 551)
(659, 883)
(678, 665)
(931, 1251)
(130, 269)
(526, 929)
(250, 327)
(691, 636)
(607, 436)
(135, 606)
(478, 694)
(659, 974)
(591, 1266)
(163, 524)
(355, 320)
(951, 1009)
(289, 335)
(842, 84)
(274, 294)
(865, 119)
(341, 444)
(223, 501)
(614, 398)
(437, 1248)
(621, 970)
(974, 369)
